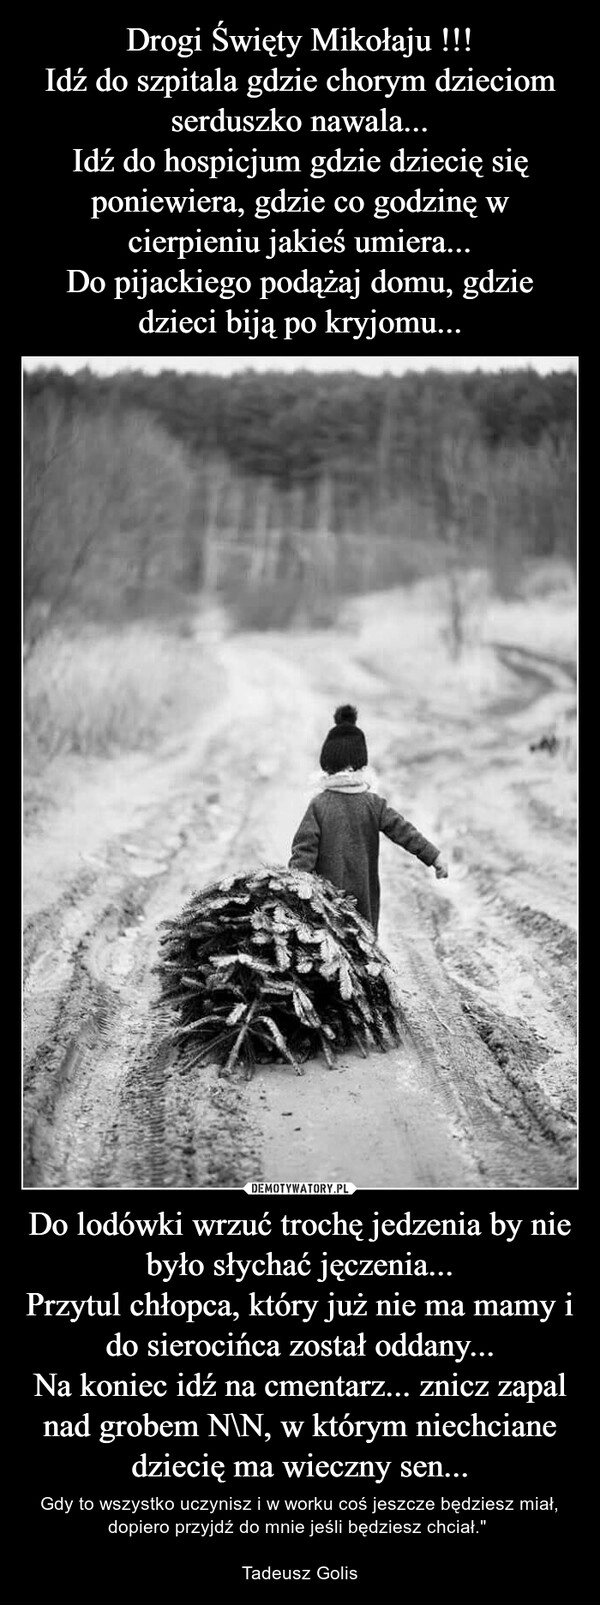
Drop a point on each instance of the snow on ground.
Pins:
(405, 634)
(486, 1094)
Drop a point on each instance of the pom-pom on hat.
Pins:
(344, 746)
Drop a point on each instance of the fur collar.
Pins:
(348, 780)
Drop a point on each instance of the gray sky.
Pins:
(199, 364)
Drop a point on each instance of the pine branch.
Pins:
(275, 961)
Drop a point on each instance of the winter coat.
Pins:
(339, 839)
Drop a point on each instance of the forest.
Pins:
(281, 492)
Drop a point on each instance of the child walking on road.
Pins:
(338, 837)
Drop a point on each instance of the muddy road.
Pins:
(483, 1095)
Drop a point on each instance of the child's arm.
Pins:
(406, 835)
(305, 846)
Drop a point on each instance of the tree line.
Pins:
(282, 490)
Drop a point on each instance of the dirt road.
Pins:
(483, 1096)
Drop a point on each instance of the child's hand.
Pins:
(441, 869)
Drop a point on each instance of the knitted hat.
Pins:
(344, 746)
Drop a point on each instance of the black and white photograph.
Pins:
(300, 771)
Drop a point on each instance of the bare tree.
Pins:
(105, 501)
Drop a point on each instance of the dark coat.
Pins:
(339, 839)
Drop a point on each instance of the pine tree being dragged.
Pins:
(275, 965)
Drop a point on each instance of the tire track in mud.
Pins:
(510, 966)
(68, 1079)
(513, 1073)
(96, 1101)
(472, 1080)
(506, 1121)
(549, 672)
(108, 1103)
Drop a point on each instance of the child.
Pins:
(339, 834)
